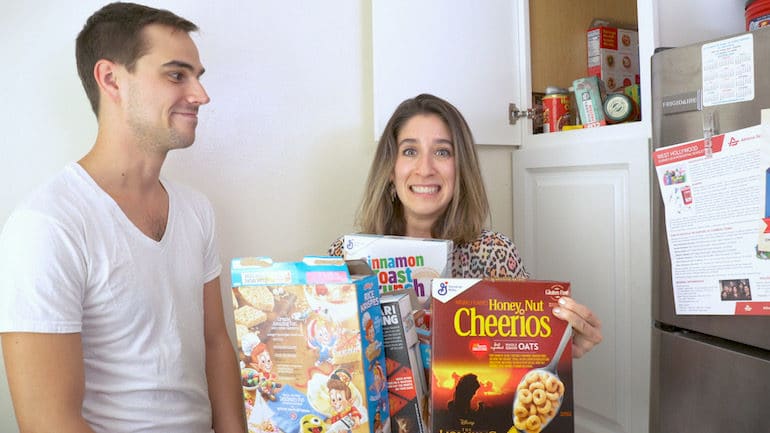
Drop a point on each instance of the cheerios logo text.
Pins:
(520, 322)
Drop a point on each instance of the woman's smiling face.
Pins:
(424, 173)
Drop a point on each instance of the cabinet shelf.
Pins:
(619, 132)
(558, 36)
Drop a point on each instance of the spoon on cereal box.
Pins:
(540, 393)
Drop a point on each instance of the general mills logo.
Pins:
(442, 288)
(350, 244)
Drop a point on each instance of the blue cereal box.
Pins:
(310, 345)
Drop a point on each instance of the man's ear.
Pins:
(106, 75)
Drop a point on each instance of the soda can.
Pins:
(555, 111)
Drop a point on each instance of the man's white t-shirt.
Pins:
(72, 262)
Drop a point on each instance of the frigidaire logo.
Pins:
(675, 102)
(690, 101)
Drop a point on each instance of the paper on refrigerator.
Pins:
(718, 221)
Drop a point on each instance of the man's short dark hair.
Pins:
(114, 32)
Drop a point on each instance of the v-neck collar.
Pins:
(121, 216)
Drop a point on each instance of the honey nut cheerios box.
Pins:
(501, 362)
(310, 345)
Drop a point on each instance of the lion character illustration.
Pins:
(466, 387)
(311, 424)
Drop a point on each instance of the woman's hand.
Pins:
(586, 327)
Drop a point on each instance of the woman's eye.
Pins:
(176, 76)
(409, 152)
(444, 153)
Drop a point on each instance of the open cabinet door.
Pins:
(581, 211)
(580, 199)
(463, 51)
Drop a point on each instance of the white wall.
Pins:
(684, 22)
(282, 150)
(284, 146)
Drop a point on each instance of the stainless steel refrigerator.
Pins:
(710, 373)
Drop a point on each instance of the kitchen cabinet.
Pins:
(462, 51)
(579, 200)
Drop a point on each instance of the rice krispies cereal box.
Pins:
(310, 346)
(402, 262)
(501, 362)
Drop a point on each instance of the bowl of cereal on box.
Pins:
(331, 297)
(249, 379)
(539, 395)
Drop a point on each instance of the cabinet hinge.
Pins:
(514, 114)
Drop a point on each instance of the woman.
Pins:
(425, 182)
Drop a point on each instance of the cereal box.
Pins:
(402, 262)
(501, 362)
(407, 390)
(310, 346)
(613, 56)
(422, 326)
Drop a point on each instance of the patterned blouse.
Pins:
(491, 255)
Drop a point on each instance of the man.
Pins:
(110, 307)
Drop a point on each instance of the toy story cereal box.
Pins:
(501, 362)
(407, 389)
(310, 346)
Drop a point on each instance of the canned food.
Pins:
(619, 108)
(589, 94)
(555, 111)
(757, 14)
(632, 92)
(551, 90)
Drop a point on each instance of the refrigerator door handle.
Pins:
(709, 129)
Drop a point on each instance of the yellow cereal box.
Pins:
(500, 362)
(310, 346)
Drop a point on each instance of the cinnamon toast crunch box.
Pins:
(310, 346)
(402, 262)
(501, 362)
